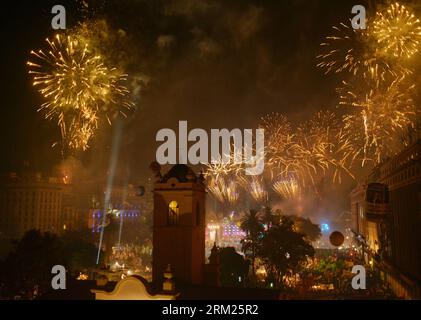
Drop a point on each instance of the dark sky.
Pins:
(213, 63)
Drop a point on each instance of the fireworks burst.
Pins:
(216, 188)
(295, 160)
(352, 51)
(322, 148)
(232, 192)
(287, 188)
(379, 94)
(346, 51)
(78, 88)
(78, 135)
(223, 179)
(224, 190)
(224, 168)
(255, 186)
(381, 116)
(280, 144)
(397, 31)
(316, 148)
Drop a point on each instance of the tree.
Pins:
(307, 227)
(81, 253)
(233, 267)
(268, 216)
(252, 225)
(29, 265)
(283, 250)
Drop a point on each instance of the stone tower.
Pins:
(179, 226)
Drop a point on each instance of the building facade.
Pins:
(391, 238)
(179, 226)
(30, 201)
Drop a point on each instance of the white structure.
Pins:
(131, 288)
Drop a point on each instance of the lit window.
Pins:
(173, 210)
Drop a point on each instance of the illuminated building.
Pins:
(389, 231)
(126, 205)
(230, 231)
(226, 234)
(212, 233)
(231, 235)
(212, 236)
(124, 216)
(30, 201)
(70, 215)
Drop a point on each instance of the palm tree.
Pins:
(268, 216)
(283, 250)
(252, 225)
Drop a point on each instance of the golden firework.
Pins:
(287, 188)
(316, 148)
(216, 188)
(224, 190)
(224, 168)
(322, 149)
(78, 88)
(279, 144)
(352, 51)
(231, 192)
(255, 187)
(397, 31)
(223, 179)
(379, 118)
(379, 94)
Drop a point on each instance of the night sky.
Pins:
(215, 64)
